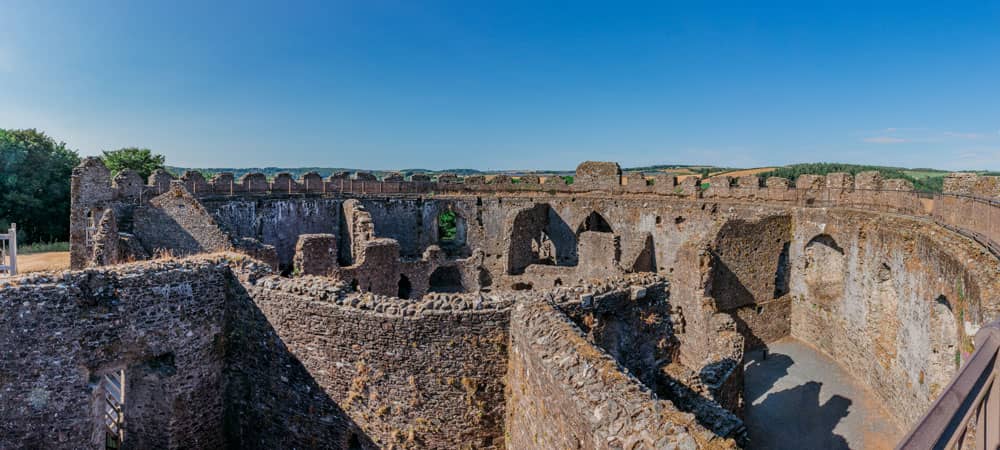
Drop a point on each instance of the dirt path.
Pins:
(40, 262)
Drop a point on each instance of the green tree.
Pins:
(34, 184)
(141, 160)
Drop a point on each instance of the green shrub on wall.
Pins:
(447, 226)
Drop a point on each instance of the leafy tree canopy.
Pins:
(34, 185)
(141, 160)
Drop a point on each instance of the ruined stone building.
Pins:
(356, 313)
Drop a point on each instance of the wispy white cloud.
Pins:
(897, 135)
(959, 135)
(884, 140)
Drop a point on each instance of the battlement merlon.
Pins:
(94, 187)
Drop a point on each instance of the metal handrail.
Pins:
(973, 393)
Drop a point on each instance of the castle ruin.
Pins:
(358, 313)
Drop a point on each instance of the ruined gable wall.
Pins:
(177, 222)
(60, 333)
(431, 369)
(887, 325)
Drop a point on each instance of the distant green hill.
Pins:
(299, 171)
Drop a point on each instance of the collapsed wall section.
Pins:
(632, 319)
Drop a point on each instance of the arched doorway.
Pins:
(446, 279)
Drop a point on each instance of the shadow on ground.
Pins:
(781, 417)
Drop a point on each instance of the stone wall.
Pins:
(412, 374)
(750, 261)
(60, 333)
(895, 301)
(764, 322)
(316, 254)
(276, 221)
(561, 393)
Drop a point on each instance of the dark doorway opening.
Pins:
(446, 279)
(404, 287)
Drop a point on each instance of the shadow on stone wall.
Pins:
(727, 288)
(731, 286)
(271, 400)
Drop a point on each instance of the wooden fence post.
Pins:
(12, 240)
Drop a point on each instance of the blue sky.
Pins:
(398, 84)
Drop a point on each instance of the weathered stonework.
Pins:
(316, 254)
(598, 175)
(443, 314)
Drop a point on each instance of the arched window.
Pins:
(451, 232)
(595, 222)
(447, 226)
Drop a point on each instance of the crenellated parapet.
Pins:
(94, 191)
(971, 184)
(591, 176)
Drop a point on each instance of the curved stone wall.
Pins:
(427, 373)
(896, 301)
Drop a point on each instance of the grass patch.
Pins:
(43, 247)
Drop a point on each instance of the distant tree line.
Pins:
(929, 183)
(35, 174)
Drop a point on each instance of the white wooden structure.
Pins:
(8, 251)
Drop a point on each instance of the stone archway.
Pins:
(824, 269)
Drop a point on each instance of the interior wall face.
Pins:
(433, 380)
(895, 318)
(57, 339)
(746, 260)
(276, 221)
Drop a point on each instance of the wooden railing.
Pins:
(967, 413)
(8, 251)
